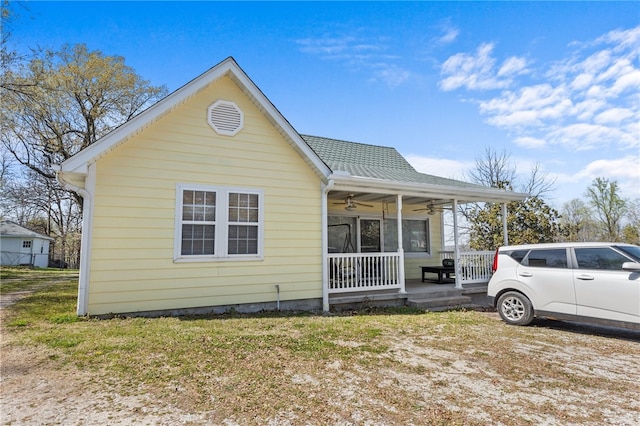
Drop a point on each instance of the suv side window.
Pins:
(547, 258)
(599, 258)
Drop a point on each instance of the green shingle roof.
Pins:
(371, 161)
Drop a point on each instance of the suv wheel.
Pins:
(514, 308)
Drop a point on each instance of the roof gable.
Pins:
(11, 229)
(79, 162)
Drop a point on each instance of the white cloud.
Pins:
(478, 72)
(623, 170)
(586, 102)
(512, 66)
(450, 35)
(392, 75)
(620, 168)
(613, 116)
(585, 136)
(359, 53)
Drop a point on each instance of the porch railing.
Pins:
(475, 266)
(349, 272)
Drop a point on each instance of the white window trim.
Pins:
(222, 225)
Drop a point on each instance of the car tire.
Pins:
(515, 308)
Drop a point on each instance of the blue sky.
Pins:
(551, 83)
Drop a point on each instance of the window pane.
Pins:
(233, 200)
(198, 206)
(198, 213)
(198, 197)
(342, 238)
(369, 235)
(187, 197)
(187, 212)
(553, 258)
(390, 235)
(210, 214)
(243, 208)
(198, 239)
(414, 236)
(243, 239)
(599, 258)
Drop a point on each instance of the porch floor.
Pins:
(429, 295)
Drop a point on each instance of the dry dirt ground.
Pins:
(34, 394)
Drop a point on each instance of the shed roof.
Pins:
(12, 229)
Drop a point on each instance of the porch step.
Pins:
(440, 303)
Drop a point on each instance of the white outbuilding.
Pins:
(22, 246)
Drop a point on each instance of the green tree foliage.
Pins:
(66, 101)
(528, 221)
(609, 207)
(54, 104)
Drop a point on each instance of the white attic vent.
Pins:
(225, 118)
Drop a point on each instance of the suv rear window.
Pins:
(518, 255)
(547, 258)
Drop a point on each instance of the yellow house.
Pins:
(210, 201)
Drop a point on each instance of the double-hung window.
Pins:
(214, 223)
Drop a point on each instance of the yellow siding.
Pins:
(132, 267)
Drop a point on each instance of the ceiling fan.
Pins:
(350, 204)
(431, 209)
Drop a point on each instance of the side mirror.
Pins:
(631, 266)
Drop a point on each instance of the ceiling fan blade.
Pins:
(361, 204)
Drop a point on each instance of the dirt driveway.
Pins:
(38, 390)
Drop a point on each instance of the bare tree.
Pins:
(577, 221)
(492, 169)
(609, 207)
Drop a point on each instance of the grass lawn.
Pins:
(378, 367)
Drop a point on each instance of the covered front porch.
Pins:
(388, 250)
(382, 223)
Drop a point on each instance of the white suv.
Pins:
(587, 282)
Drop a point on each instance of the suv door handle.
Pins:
(585, 277)
(525, 274)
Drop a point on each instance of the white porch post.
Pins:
(325, 244)
(456, 250)
(400, 245)
(504, 224)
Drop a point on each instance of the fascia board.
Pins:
(78, 163)
(425, 190)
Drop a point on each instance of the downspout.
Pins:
(456, 249)
(85, 242)
(401, 277)
(325, 244)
